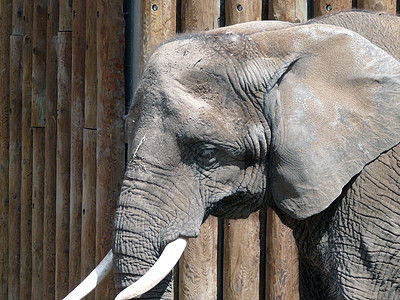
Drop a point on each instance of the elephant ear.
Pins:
(338, 102)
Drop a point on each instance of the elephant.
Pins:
(303, 118)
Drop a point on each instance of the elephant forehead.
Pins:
(214, 116)
(186, 83)
(208, 51)
(178, 56)
(184, 106)
(194, 117)
(193, 98)
(174, 106)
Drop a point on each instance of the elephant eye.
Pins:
(206, 155)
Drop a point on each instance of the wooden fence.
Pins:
(62, 150)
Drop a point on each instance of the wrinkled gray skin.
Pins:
(304, 118)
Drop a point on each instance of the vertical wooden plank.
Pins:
(38, 120)
(110, 126)
(26, 270)
(63, 163)
(198, 266)
(158, 24)
(282, 280)
(88, 237)
(14, 221)
(88, 245)
(15, 148)
(242, 258)
(39, 63)
(38, 212)
(17, 17)
(323, 7)
(49, 244)
(388, 6)
(77, 123)
(294, 11)
(5, 31)
(65, 15)
(91, 65)
(199, 15)
(242, 11)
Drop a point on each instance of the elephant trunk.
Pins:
(137, 244)
(158, 272)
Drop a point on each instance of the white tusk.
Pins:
(93, 279)
(170, 256)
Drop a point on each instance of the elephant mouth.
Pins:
(173, 233)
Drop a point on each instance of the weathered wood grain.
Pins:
(26, 268)
(49, 239)
(282, 280)
(17, 17)
(15, 127)
(88, 244)
(294, 11)
(242, 258)
(91, 65)
(77, 125)
(158, 24)
(5, 31)
(199, 15)
(38, 156)
(89, 175)
(242, 11)
(39, 63)
(388, 6)
(65, 21)
(63, 163)
(198, 265)
(323, 7)
(110, 126)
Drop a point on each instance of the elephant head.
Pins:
(223, 120)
